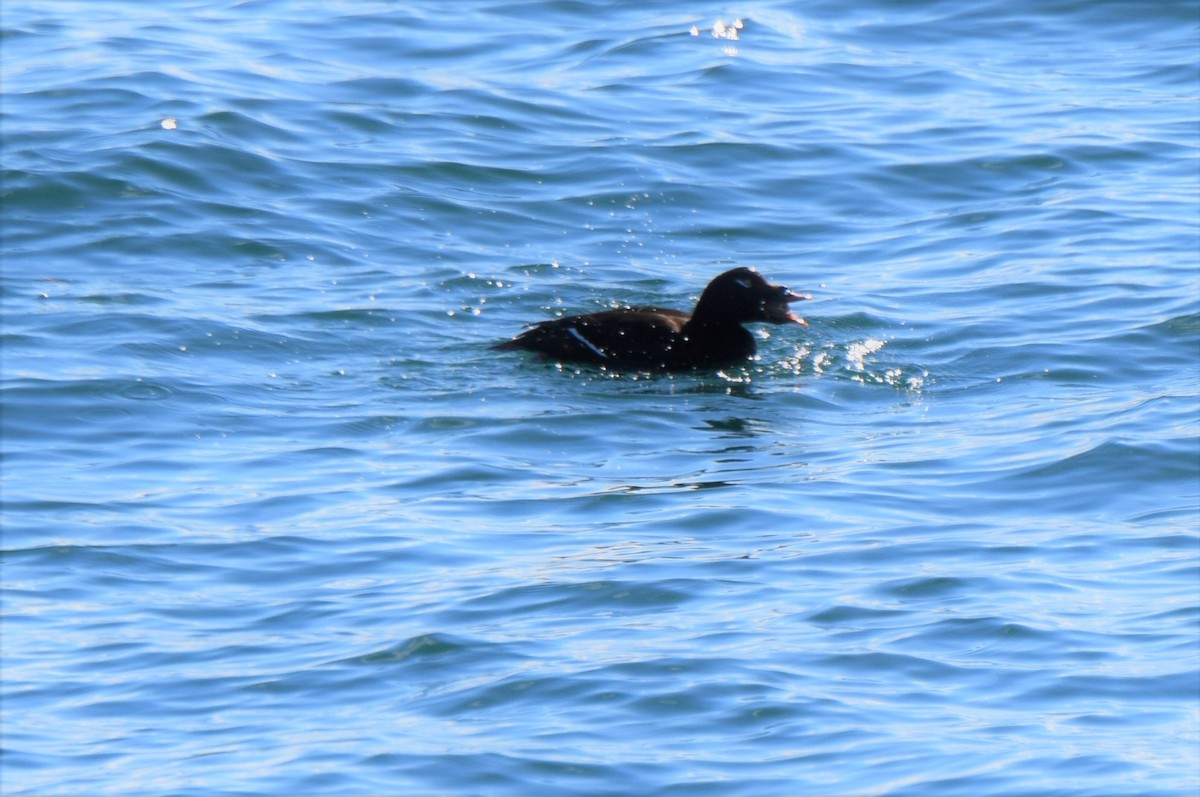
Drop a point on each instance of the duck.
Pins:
(661, 339)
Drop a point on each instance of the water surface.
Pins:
(277, 521)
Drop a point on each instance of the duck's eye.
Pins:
(745, 283)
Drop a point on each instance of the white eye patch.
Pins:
(745, 283)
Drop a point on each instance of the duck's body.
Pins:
(660, 339)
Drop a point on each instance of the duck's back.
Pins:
(634, 337)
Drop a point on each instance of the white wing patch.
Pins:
(575, 333)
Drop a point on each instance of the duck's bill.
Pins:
(779, 313)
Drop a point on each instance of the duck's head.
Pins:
(742, 294)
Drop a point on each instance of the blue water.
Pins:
(277, 521)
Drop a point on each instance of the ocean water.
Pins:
(277, 521)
